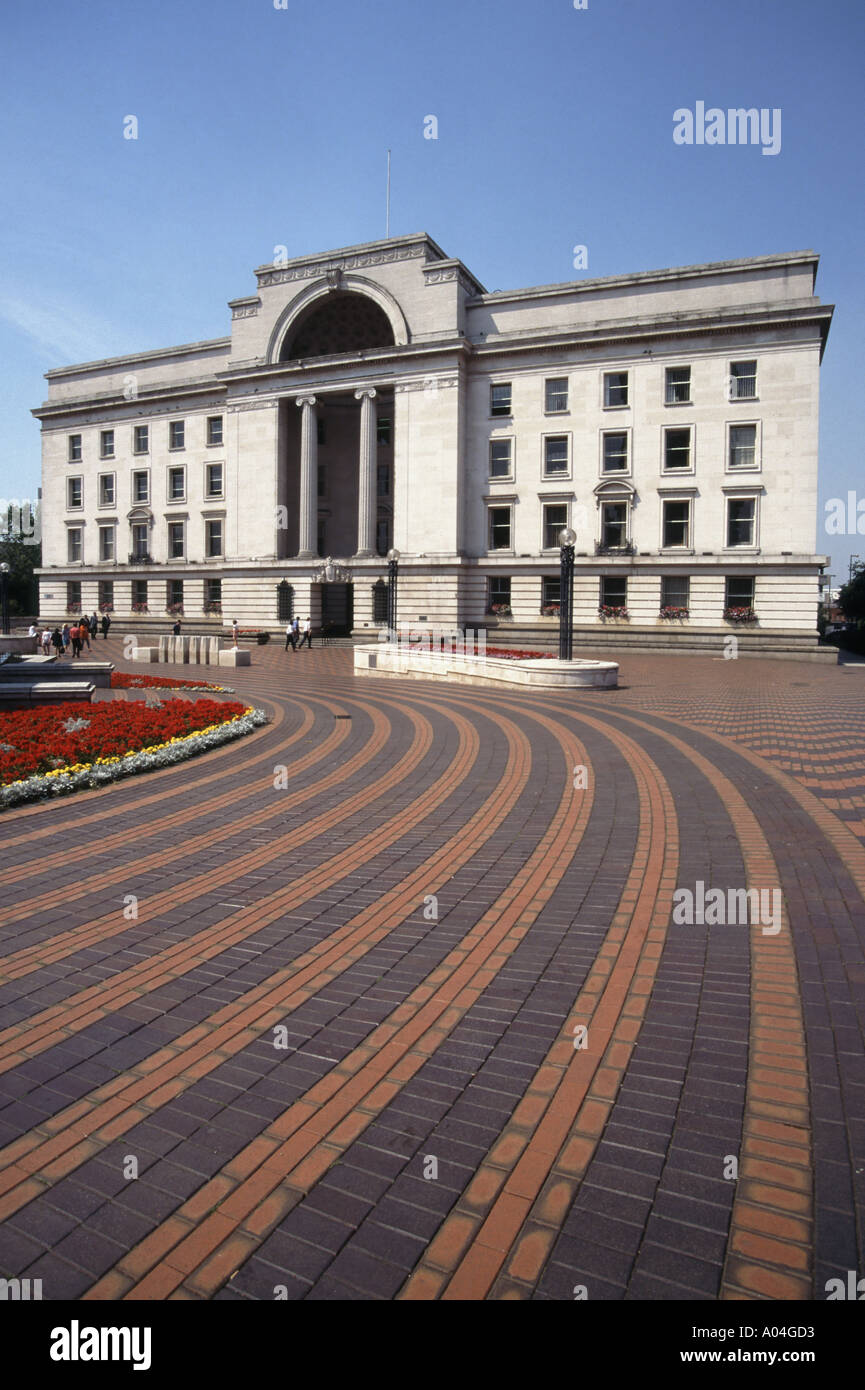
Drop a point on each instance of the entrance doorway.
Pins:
(337, 609)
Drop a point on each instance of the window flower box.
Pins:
(106, 608)
(672, 612)
(500, 610)
(740, 615)
(213, 606)
(609, 610)
(174, 609)
(550, 610)
(140, 608)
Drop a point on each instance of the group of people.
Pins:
(295, 638)
(75, 635)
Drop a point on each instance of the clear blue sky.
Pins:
(261, 126)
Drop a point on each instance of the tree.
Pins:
(22, 558)
(851, 600)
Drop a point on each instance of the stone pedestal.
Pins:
(147, 654)
(235, 656)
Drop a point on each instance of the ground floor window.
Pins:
(614, 595)
(139, 595)
(73, 596)
(213, 595)
(284, 601)
(106, 595)
(174, 595)
(675, 595)
(739, 595)
(379, 601)
(499, 595)
(551, 592)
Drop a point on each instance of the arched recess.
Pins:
(325, 299)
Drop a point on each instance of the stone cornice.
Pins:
(387, 252)
(206, 346)
(707, 270)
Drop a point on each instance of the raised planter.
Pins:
(396, 660)
(50, 669)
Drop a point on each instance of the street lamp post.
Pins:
(392, 576)
(4, 596)
(567, 540)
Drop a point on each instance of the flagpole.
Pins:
(387, 213)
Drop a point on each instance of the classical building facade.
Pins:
(378, 397)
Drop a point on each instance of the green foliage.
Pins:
(23, 586)
(852, 598)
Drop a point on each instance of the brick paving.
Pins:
(401, 1009)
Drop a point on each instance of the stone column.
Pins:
(366, 478)
(308, 509)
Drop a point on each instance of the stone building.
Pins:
(379, 397)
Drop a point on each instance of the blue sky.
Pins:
(261, 127)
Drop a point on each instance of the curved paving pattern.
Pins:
(386, 1001)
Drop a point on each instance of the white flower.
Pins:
(73, 725)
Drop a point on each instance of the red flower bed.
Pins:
(120, 681)
(512, 654)
(42, 740)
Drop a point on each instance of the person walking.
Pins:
(84, 633)
(176, 628)
(94, 624)
(295, 628)
(106, 623)
(75, 639)
(235, 631)
(66, 634)
(290, 638)
(57, 639)
(45, 641)
(307, 633)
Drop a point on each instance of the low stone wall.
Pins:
(48, 668)
(397, 660)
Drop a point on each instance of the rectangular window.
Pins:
(499, 595)
(743, 446)
(739, 591)
(106, 542)
(614, 525)
(177, 434)
(615, 389)
(106, 489)
(73, 545)
(499, 528)
(141, 486)
(556, 395)
(741, 518)
(555, 521)
(213, 538)
(615, 453)
(556, 456)
(675, 591)
(106, 444)
(174, 594)
(176, 540)
(614, 591)
(382, 480)
(140, 439)
(676, 524)
(743, 380)
(176, 484)
(501, 455)
(382, 430)
(140, 540)
(551, 592)
(500, 398)
(678, 386)
(106, 595)
(677, 450)
(213, 480)
(212, 592)
(73, 453)
(214, 429)
(74, 492)
(139, 595)
(383, 535)
(73, 596)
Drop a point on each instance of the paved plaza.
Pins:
(389, 1000)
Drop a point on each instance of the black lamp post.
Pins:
(392, 574)
(567, 540)
(4, 596)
